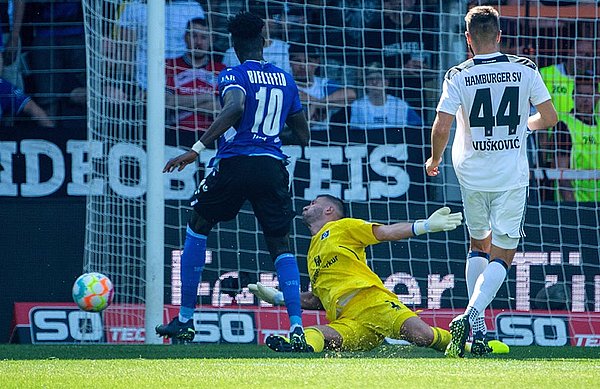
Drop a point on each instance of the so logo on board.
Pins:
(527, 330)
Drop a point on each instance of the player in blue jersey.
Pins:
(258, 98)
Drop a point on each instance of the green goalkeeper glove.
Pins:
(266, 293)
(440, 220)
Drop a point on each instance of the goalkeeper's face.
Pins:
(313, 212)
(320, 211)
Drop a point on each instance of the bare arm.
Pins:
(309, 301)
(38, 114)
(273, 296)
(340, 97)
(545, 117)
(299, 126)
(231, 113)
(440, 133)
(317, 108)
(440, 220)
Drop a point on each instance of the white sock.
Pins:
(479, 326)
(475, 265)
(473, 315)
(487, 286)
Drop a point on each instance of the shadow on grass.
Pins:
(231, 351)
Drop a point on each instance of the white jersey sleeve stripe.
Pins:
(233, 86)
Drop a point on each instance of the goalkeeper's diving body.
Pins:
(361, 311)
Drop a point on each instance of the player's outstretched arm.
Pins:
(440, 220)
(273, 296)
(266, 293)
(299, 126)
(233, 109)
(37, 113)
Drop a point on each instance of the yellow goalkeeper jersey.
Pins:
(337, 263)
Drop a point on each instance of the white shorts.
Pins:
(501, 213)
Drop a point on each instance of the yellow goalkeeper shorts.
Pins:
(368, 318)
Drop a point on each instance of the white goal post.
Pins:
(125, 234)
(155, 199)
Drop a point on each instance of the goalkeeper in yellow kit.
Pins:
(361, 311)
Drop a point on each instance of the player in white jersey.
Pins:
(491, 96)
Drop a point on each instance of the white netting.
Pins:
(115, 228)
(369, 156)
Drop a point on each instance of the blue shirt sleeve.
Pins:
(228, 79)
(12, 99)
(331, 87)
(412, 118)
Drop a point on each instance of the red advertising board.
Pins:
(50, 323)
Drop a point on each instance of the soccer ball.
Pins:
(93, 292)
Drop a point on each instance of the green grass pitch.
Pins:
(251, 367)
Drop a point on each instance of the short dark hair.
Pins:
(246, 31)
(338, 204)
(483, 23)
(200, 21)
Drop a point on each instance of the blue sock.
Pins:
(192, 264)
(289, 284)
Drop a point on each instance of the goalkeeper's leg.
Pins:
(416, 331)
(324, 338)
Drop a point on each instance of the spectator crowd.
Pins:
(360, 65)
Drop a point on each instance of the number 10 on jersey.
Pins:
(272, 118)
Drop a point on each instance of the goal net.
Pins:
(370, 75)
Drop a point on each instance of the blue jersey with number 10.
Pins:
(271, 96)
